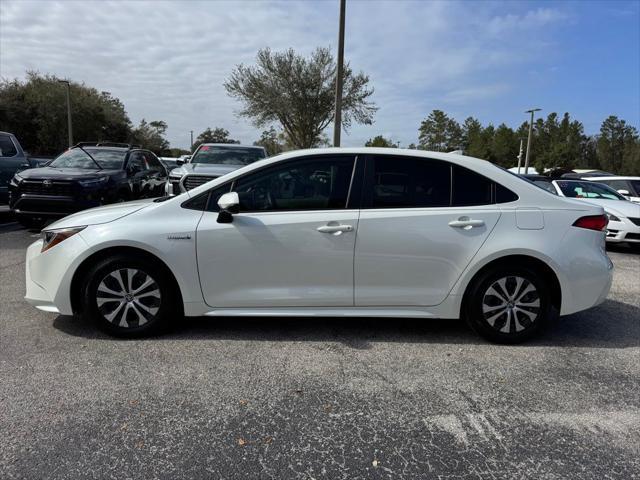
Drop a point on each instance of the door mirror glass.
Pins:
(229, 204)
(624, 192)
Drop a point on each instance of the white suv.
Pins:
(368, 232)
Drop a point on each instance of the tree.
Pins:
(299, 94)
(35, 110)
(151, 136)
(380, 141)
(439, 133)
(617, 147)
(217, 135)
(271, 141)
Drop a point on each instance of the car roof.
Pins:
(616, 177)
(232, 145)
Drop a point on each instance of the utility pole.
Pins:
(337, 120)
(520, 157)
(526, 159)
(70, 128)
(191, 140)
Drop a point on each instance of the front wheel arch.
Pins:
(80, 274)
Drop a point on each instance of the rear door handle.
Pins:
(335, 228)
(466, 223)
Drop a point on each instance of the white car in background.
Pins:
(628, 187)
(624, 216)
(370, 232)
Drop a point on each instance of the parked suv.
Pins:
(85, 176)
(12, 160)
(210, 161)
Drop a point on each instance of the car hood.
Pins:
(619, 208)
(205, 169)
(53, 173)
(98, 215)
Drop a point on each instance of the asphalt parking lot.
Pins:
(325, 398)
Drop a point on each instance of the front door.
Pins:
(291, 245)
(416, 235)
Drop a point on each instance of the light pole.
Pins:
(520, 157)
(337, 119)
(70, 128)
(526, 159)
(191, 140)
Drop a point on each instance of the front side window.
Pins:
(635, 187)
(405, 182)
(221, 155)
(79, 158)
(588, 190)
(7, 148)
(313, 184)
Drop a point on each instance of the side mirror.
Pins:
(179, 161)
(229, 204)
(624, 192)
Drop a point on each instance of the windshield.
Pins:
(78, 158)
(227, 155)
(588, 190)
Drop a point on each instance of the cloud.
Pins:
(168, 60)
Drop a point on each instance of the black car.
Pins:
(85, 176)
(541, 181)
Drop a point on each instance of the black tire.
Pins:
(515, 316)
(31, 223)
(142, 313)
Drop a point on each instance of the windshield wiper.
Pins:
(89, 155)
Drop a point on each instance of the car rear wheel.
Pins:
(508, 304)
(129, 297)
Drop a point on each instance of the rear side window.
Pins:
(7, 148)
(405, 182)
(470, 188)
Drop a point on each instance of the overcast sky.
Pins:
(168, 60)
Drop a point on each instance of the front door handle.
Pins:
(466, 223)
(335, 228)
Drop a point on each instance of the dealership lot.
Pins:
(322, 398)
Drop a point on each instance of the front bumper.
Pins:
(48, 274)
(623, 231)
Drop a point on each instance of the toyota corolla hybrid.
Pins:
(365, 232)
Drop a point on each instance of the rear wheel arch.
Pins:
(526, 261)
(83, 269)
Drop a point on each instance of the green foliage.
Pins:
(555, 142)
(217, 135)
(150, 135)
(299, 94)
(440, 133)
(380, 141)
(618, 147)
(272, 141)
(35, 110)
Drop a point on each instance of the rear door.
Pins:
(421, 224)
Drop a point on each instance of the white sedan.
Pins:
(365, 232)
(623, 215)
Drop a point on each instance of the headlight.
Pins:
(16, 179)
(175, 176)
(93, 182)
(51, 238)
(612, 217)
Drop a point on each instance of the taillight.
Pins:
(592, 222)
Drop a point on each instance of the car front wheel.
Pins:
(509, 304)
(129, 297)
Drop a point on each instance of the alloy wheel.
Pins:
(128, 297)
(511, 304)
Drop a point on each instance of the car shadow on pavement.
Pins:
(610, 325)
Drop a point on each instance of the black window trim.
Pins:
(354, 182)
(367, 198)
